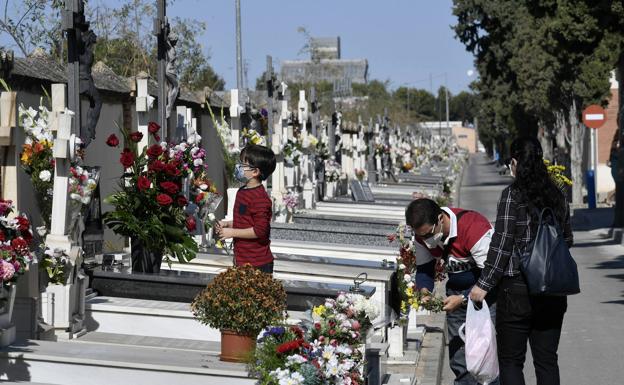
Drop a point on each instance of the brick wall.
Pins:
(606, 132)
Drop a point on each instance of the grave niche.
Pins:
(361, 191)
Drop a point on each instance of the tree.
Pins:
(464, 107)
(34, 23)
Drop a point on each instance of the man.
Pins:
(461, 239)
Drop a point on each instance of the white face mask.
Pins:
(512, 168)
(435, 240)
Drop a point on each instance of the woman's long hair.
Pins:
(533, 182)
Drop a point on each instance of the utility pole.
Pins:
(239, 49)
(447, 104)
(269, 79)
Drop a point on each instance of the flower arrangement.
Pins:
(332, 171)
(252, 136)
(556, 172)
(15, 239)
(241, 299)
(149, 204)
(36, 157)
(55, 263)
(229, 152)
(308, 142)
(410, 296)
(360, 174)
(381, 149)
(407, 166)
(328, 353)
(321, 150)
(291, 200)
(292, 153)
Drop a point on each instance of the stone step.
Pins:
(150, 318)
(77, 363)
(329, 234)
(359, 213)
(338, 251)
(211, 347)
(359, 206)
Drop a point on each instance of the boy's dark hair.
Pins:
(260, 157)
(422, 211)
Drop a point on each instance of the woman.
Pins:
(520, 317)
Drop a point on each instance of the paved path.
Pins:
(591, 351)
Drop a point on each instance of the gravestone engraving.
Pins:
(359, 195)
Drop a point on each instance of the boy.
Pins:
(251, 226)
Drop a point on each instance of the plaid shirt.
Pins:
(513, 228)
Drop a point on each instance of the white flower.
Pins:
(85, 200)
(410, 284)
(407, 278)
(75, 196)
(203, 187)
(402, 267)
(198, 162)
(41, 230)
(45, 175)
(296, 359)
(211, 217)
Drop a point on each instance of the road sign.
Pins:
(594, 116)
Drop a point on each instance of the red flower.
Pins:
(157, 138)
(154, 151)
(199, 198)
(136, 137)
(2, 236)
(153, 127)
(143, 183)
(288, 346)
(20, 245)
(164, 199)
(172, 169)
(182, 201)
(391, 237)
(169, 187)
(22, 223)
(27, 235)
(191, 225)
(112, 140)
(156, 166)
(127, 158)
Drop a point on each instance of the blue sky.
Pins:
(405, 41)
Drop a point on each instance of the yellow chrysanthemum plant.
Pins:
(556, 172)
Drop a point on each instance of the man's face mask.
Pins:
(435, 240)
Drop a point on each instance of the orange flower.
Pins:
(38, 147)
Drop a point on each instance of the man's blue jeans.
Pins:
(457, 353)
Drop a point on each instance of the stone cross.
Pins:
(370, 160)
(73, 23)
(235, 114)
(8, 120)
(144, 104)
(63, 306)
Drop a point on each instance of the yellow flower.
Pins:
(319, 310)
(409, 292)
(403, 307)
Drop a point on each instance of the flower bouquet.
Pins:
(149, 206)
(360, 174)
(329, 353)
(242, 301)
(15, 239)
(332, 171)
(55, 263)
(252, 136)
(292, 153)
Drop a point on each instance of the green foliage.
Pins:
(242, 299)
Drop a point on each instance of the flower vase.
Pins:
(7, 328)
(289, 173)
(236, 347)
(231, 198)
(290, 216)
(397, 338)
(330, 192)
(281, 216)
(144, 260)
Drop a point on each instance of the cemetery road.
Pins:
(592, 340)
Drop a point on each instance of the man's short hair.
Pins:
(422, 211)
(260, 157)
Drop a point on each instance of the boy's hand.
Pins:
(224, 224)
(225, 233)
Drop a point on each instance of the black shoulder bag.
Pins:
(547, 265)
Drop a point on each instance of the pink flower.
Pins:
(6, 270)
(356, 325)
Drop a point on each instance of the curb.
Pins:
(429, 367)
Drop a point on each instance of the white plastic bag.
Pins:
(479, 337)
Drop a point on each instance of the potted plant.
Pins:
(150, 204)
(240, 302)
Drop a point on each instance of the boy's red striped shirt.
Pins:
(253, 208)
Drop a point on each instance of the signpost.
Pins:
(594, 117)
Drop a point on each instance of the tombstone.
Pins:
(361, 193)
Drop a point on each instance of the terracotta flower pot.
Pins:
(236, 347)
